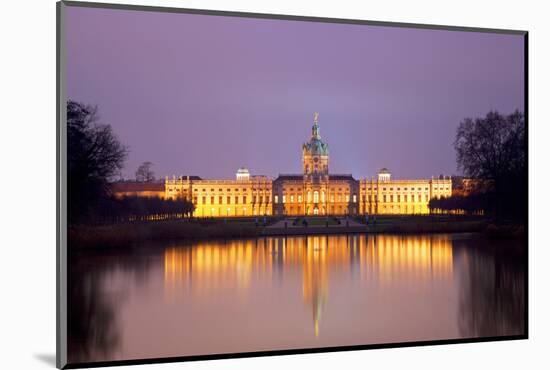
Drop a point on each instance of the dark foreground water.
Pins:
(209, 297)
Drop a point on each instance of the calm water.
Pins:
(178, 299)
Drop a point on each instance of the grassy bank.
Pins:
(124, 234)
(428, 227)
(447, 224)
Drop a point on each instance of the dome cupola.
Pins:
(315, 146)
(315, 152)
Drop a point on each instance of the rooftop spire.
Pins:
(315, 129)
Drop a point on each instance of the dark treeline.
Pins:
(134, 208)
(471, 204)
(491, 151)
(94, 157)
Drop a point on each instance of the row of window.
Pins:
(405, 189)
(299, 189)
(222, 211)
(316, 198)
(233, 200)
(236, 190)
(292, 189)
(397, 198)
(340, 198)
(220, 190)
(322, 195)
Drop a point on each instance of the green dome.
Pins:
(315, 146)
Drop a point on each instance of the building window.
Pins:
(405, 198)
(315, 197)
(391, 198)
(384, 199)
(276, 200)
(220, 199)
(244, 199)
(354, 198)
(300, 198)
(398, 198)
(292, 199)
(236, 200)
(347, 198)
(284, 198)
(323, 197)
(228, 200)
(332, 198)
(427, 197)
(203, 200)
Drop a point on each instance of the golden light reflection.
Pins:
(210, 267)
(418, 258)
(315, 276)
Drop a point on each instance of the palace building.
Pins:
(315, 191)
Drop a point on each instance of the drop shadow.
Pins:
(47, 358)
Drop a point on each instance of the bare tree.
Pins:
(145, 173)
(493, 150)
(94, 157)
(492, 147)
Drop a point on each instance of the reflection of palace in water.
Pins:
(212, 266)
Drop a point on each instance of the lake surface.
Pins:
(209, 297)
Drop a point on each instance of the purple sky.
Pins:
(204, 95)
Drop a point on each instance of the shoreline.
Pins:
(128, 234)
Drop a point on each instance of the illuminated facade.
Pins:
(313, 192)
